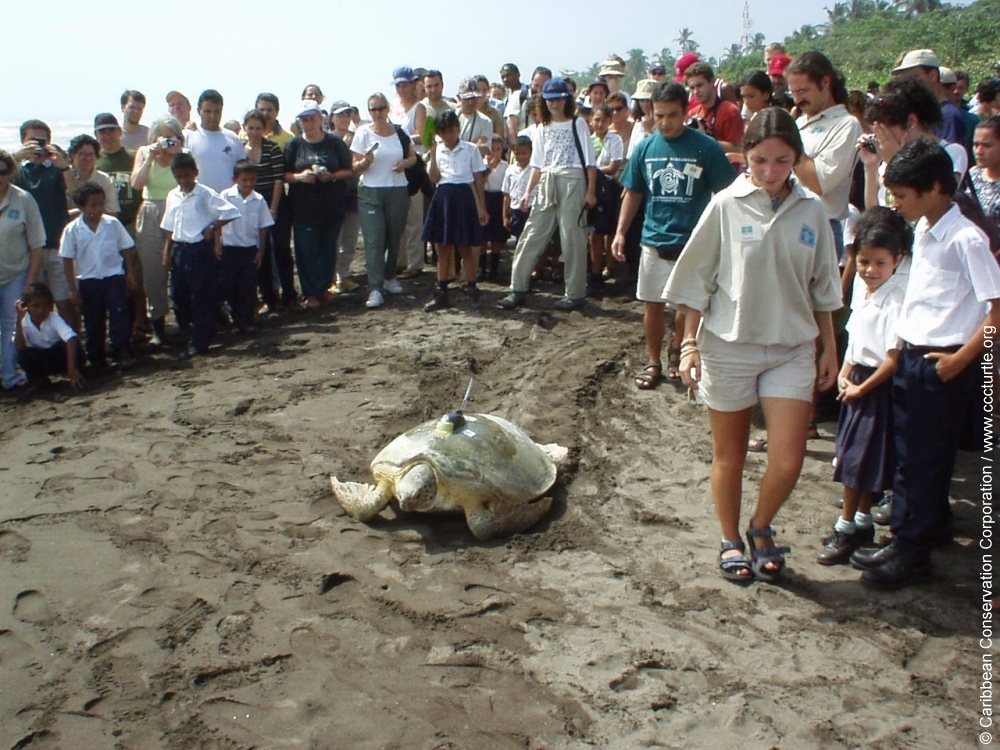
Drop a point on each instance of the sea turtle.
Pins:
(477, 463)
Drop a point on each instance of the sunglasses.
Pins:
(377, 109)
(619, 108)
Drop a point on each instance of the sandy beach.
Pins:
(175, 572)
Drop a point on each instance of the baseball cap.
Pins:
(309, 107)
(340, 107)
(598, 82)
(657, 67)
(404, 74)
(778, 64)
(173, 94)
(946, 76)
(510, 67)
(685, 62)
(468, 88)
(105, 121)
(556, 88)
(917, 58)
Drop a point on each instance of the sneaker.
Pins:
(374, 299)
(393, 286)
(513, 301)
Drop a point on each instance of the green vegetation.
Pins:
(862, 37)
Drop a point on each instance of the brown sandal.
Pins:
(650, 377)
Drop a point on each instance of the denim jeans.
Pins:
(10, 293)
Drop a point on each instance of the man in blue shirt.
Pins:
(677, 169)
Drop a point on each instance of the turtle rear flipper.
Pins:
(504, 520)
(361, 501)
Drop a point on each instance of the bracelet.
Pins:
(685, 342)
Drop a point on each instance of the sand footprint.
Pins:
(33, 606)
(13, 546)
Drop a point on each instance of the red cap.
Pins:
(683, 64)
(778, 65)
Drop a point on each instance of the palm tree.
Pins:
(911, 8)
(807, 33)
(838, 14)
(757, 43)
(685, 41)
(733, 53)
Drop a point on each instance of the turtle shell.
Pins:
(485, 459)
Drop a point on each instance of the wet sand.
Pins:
(175, 572)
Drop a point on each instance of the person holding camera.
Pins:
(316, 167)
(46, 175)
(708, 112)
(152, 175)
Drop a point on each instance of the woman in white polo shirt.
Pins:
(758, 282)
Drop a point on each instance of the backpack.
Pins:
(416, 176)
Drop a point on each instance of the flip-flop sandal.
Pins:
(736, 567)
(757, 445)
(650, 377)
(673, 364)
(761, 556)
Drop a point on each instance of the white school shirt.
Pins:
(254, 216)
(515, 182)
(952, 278)
(871, 329)
(613, 150)
(494, 182)
(53, 330)
(97, 255)
(187, 215)
(459, 166)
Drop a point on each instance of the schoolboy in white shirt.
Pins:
(99, 274)
(192, 217)
(243, 240)
(45, 343)
(952, 303)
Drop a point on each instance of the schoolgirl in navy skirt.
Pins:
(866, 460)
(457, 213)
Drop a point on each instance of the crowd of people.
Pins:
(757, 211)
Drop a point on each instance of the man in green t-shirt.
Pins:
(116, 161)
(677, 169)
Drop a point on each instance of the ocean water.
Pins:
(62, 131)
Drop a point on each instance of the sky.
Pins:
(93, 51)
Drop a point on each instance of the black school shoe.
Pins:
(902, 568)
(839, 546)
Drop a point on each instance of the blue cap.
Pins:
(404, 74)
(556, 88)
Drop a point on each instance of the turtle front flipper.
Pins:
(503, 519)
(361, 501)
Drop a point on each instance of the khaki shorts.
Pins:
(53, 273)
(653, 275)
(735, 376)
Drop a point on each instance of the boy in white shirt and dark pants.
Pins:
(99, 275)
(192, 219)
(952, 303)
(242, 243)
